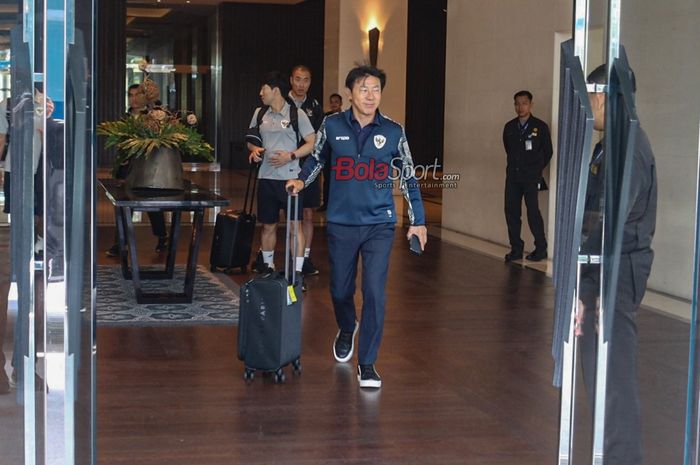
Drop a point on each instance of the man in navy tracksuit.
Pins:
(364, 149)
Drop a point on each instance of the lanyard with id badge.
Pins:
(523, 132)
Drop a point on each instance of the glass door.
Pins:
(636, 328)
(48, 285)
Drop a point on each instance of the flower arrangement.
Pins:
(155, 127)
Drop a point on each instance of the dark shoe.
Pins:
(368, 377)
(513, 255)
(267, 271)
(302, 282)
(322, 208)
(113, 251)
(259, 265)
(344, 344)
(309, 269)
(536, 255)
(162, 245)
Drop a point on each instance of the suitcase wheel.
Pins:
(249, 374)
(279, 376)
(297, 366)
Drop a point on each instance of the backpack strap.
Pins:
(261, 113)
(294, 120)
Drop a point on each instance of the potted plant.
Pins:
(150, 142)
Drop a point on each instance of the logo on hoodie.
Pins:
(379, 141)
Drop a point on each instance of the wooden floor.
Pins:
(465, 363)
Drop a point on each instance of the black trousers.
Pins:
(157, 225)
(622, 443)
(157, 218)
(515, 191)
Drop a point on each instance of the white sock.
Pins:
(307, 252)
(299, 264)
(269, 258)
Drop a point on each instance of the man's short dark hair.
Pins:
(133, 86)
(301, 68)
(523, 93)
(276, 79)
(600, 76)
(336, 95)
(364, 71)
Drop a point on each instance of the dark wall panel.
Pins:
(256, 39)
(425, 79)
(110, 67)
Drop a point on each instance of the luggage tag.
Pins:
(291, 295)
(528, 145)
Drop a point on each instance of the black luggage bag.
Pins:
(233, 233)
(269, 326)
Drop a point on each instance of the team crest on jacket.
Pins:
(379, 141)
(309, 112)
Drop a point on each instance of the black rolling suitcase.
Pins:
(269, 326)
(233, 233)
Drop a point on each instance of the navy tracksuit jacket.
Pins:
(361, 213)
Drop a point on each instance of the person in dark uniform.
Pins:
(300, 81)
(528, 146)
(622, 445)
(336, 106)
(157, 218)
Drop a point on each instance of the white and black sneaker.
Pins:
(344, 344)
(368, 377)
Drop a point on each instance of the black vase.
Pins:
(162, 169)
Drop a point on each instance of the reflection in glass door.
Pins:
(635, 412)
(47, 285)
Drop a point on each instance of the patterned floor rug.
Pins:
(215, 300)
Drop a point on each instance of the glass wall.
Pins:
(47, 385)
(634, 334)
(176, 46)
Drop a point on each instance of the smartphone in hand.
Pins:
(414, 245)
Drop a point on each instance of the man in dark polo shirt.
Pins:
(528, 146)
(300, 81)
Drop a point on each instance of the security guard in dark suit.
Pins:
(622, 411)
(528, 145)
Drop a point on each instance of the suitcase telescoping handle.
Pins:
(291, 235)
(252, 175)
